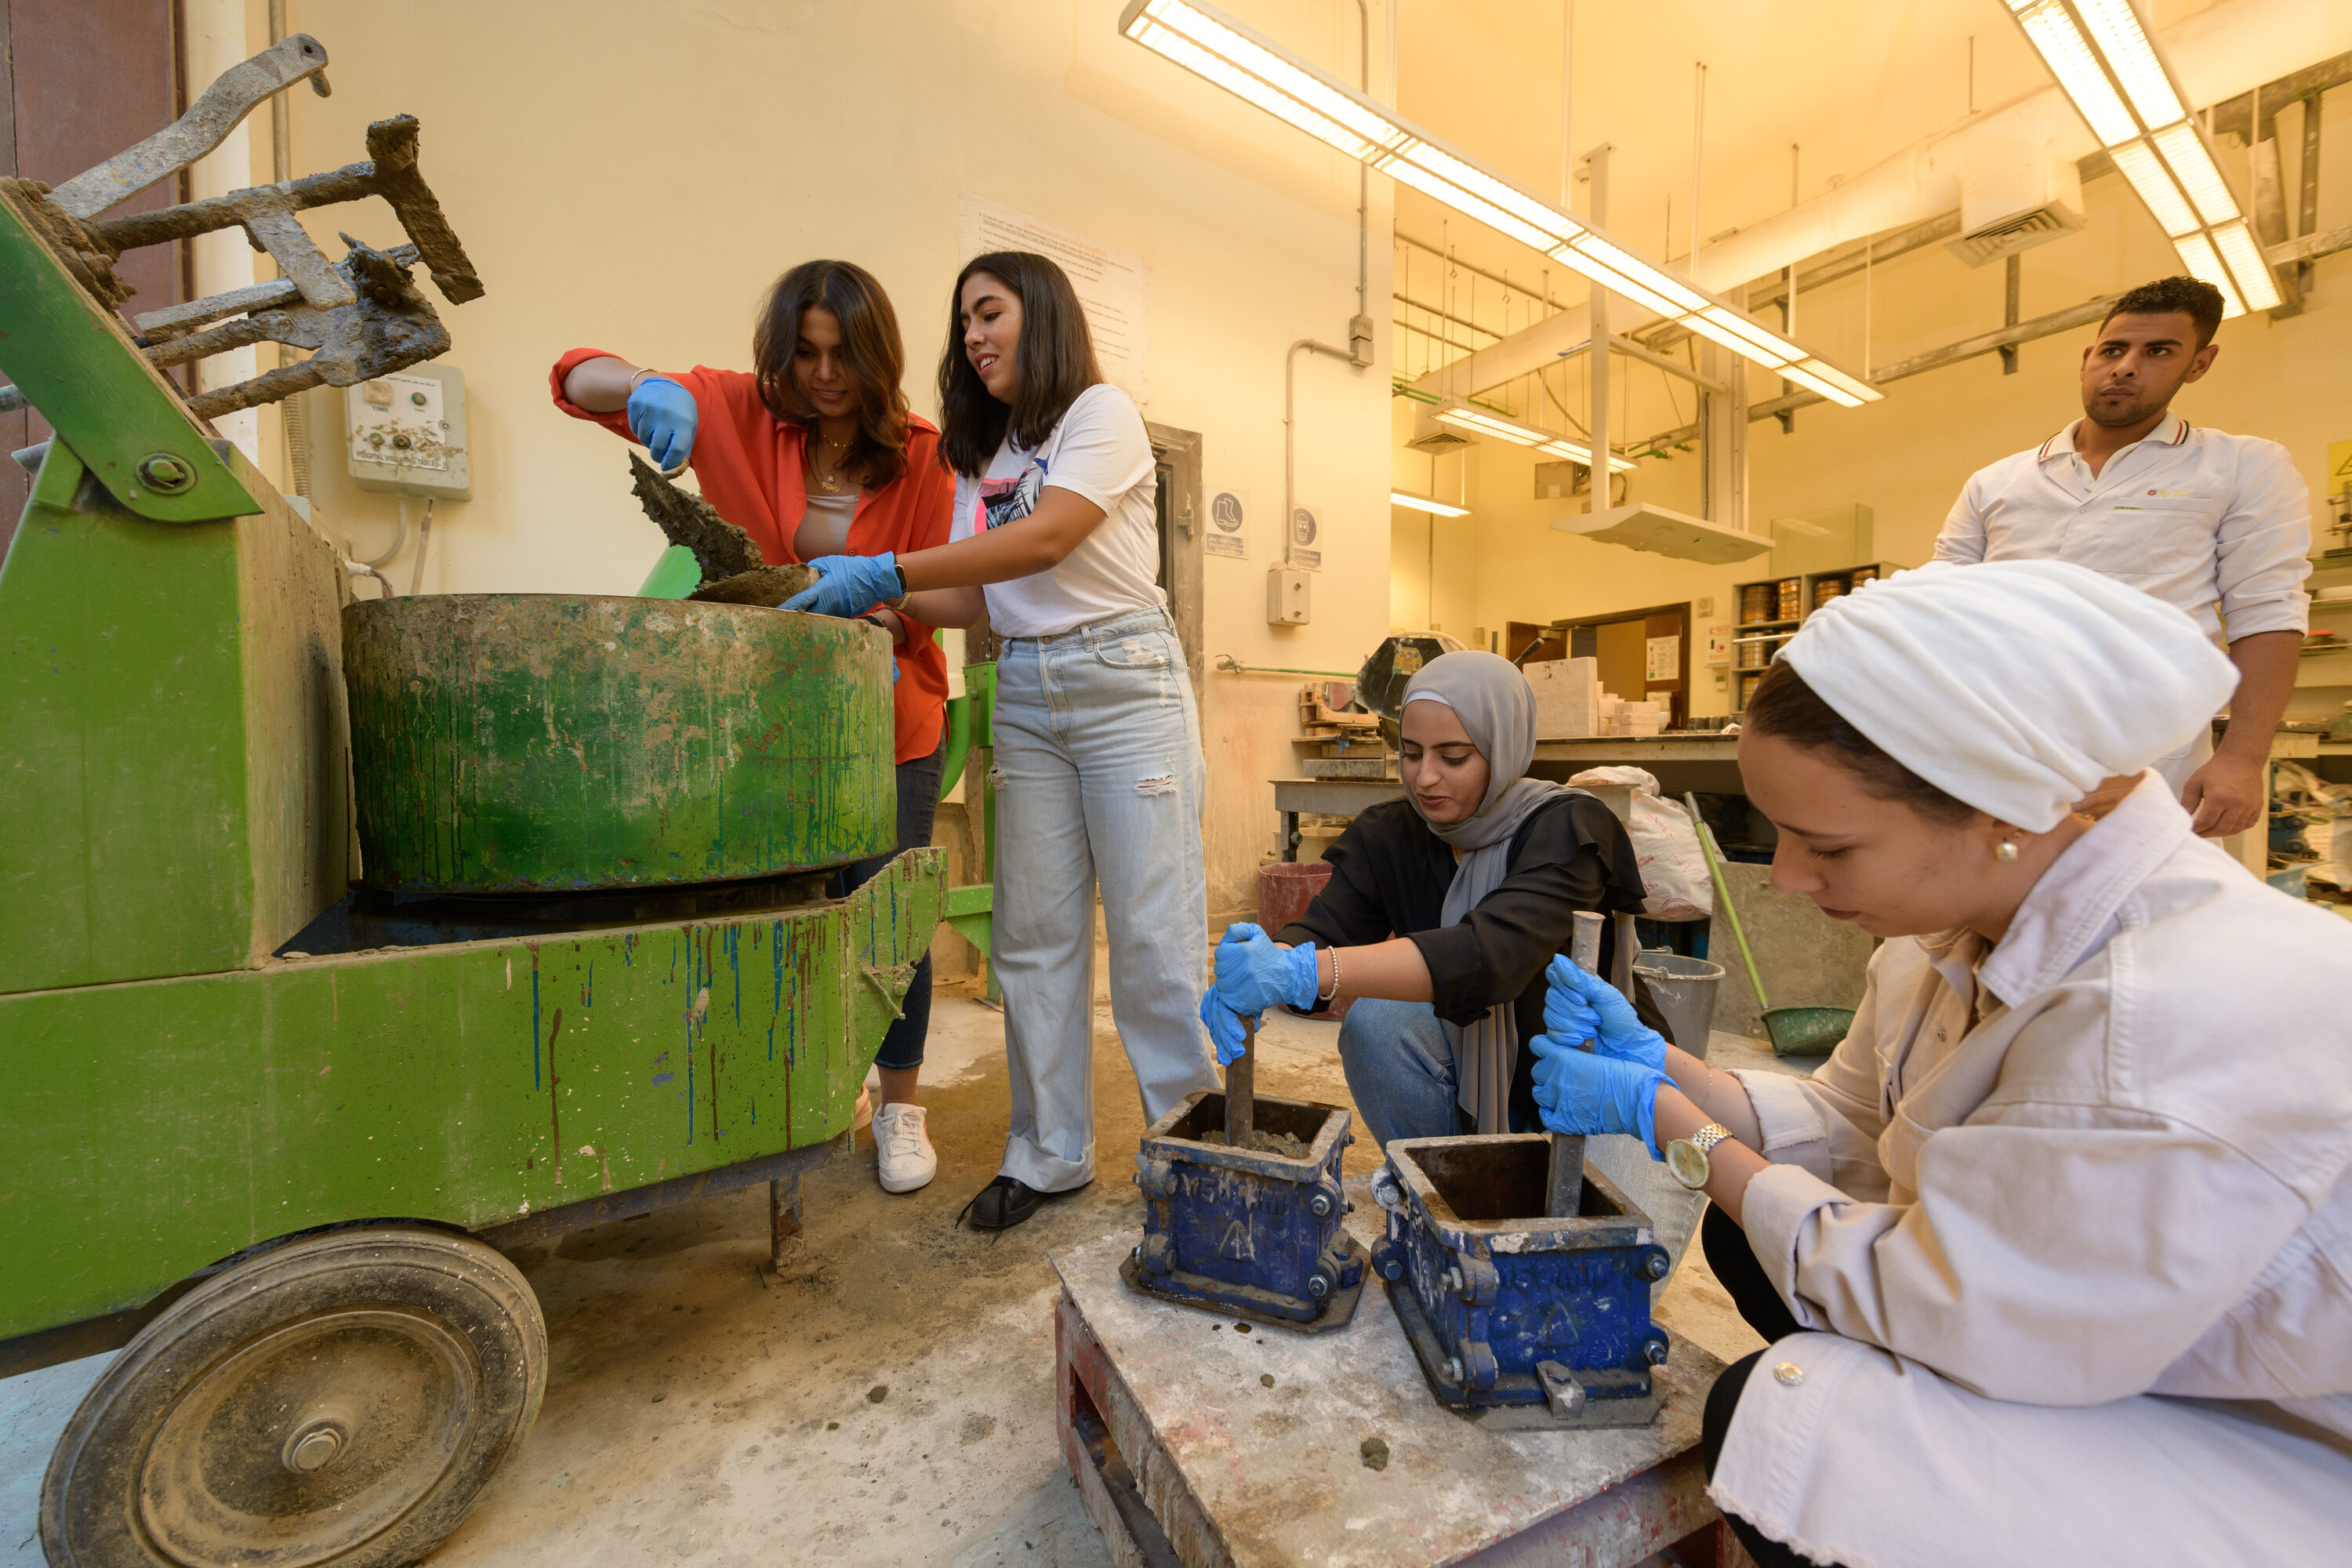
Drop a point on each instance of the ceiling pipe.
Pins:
(2219, 54)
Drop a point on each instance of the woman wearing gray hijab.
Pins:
(1442, 911)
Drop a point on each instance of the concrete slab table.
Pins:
(1196, 1443)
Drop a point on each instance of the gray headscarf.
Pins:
(1497, 710)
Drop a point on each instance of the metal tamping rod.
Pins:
(1241, 1090)
(1565, 1182)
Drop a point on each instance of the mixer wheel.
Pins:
(344, 1399)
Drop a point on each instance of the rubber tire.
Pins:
(90, 1510)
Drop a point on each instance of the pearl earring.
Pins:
(2005, 852)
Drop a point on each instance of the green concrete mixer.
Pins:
(280, 1083)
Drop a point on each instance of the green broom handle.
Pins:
(1722, 893)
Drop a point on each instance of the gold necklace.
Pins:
(829, 482)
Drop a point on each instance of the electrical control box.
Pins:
(1288, 597)
(405, 433)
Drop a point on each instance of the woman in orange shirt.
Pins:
(813, 454)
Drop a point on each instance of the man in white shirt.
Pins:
(2220, 525)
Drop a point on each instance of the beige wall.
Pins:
(632, 175)
(1906, 456)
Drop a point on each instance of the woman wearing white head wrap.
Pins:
(1440, 914)
(2087, 1142)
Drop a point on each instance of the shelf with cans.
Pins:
(1771, 611)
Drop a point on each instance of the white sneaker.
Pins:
(903, 1154)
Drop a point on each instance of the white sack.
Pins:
(1665, 846)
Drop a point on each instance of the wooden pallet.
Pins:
(1184, 1458)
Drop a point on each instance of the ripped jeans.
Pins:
(1099, 779)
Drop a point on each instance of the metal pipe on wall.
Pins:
(1359, 352)
(1597, 487)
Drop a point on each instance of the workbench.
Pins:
(1325, 798)
(1708, 763)
(1194, 1442)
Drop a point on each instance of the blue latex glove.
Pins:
(1254, 974)
(1581, 1091)
(1579, 1008)
(1224, 1028)
(848, 585)
(662, 415)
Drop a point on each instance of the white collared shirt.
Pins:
(2218, 524)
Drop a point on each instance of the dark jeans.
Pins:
(1743, 1278)
(918, 806)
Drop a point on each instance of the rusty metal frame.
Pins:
(360, 318)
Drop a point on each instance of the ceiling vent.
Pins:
(1641, 526)
(2021, 231)
(1429, 437)
(2014, 194)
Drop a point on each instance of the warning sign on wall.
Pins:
(1228, 515)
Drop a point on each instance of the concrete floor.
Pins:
(888, 1400)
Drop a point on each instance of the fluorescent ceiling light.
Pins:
(1422, 503)
(2117, 29)
(1253, 68)
(2246, 265)
(2155, 186)
(2204, 261)
(2197, 171)
(2109, 63)
(2053, 32)
(1519, 435)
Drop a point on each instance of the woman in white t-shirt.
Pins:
(1097, 761)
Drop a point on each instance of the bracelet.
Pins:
(1322, 997)
(643, 377)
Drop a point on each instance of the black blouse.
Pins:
(1389, 876)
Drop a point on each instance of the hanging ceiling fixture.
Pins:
(1213, 45)
(1422, 503)
(1518, 435)
(2108, 64)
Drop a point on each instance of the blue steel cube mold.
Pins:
(1489, 1289)
(1245, 1233)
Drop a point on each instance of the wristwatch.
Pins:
(1686, 1159)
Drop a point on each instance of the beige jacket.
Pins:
(2127, 1177)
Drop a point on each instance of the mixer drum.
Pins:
(531, 742)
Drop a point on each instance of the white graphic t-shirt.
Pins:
(1100, 451)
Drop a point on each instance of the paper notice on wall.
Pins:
(1665, 660)
(1114, 287)
(1228, 522)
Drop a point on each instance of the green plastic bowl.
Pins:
(1807, 1031)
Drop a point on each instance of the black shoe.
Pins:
(1002, 1205)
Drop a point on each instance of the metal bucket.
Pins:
(527, 742)
(1285, 888)
(1684, 989)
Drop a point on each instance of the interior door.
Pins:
(1622, 646)
(1180, 554)
(87, 78)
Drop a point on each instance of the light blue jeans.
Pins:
(1099, 779)
(1400, 1069)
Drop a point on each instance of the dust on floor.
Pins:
(887, 1400)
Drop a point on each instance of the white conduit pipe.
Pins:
(2219, 54)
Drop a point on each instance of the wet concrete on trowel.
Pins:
(887, 1399)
